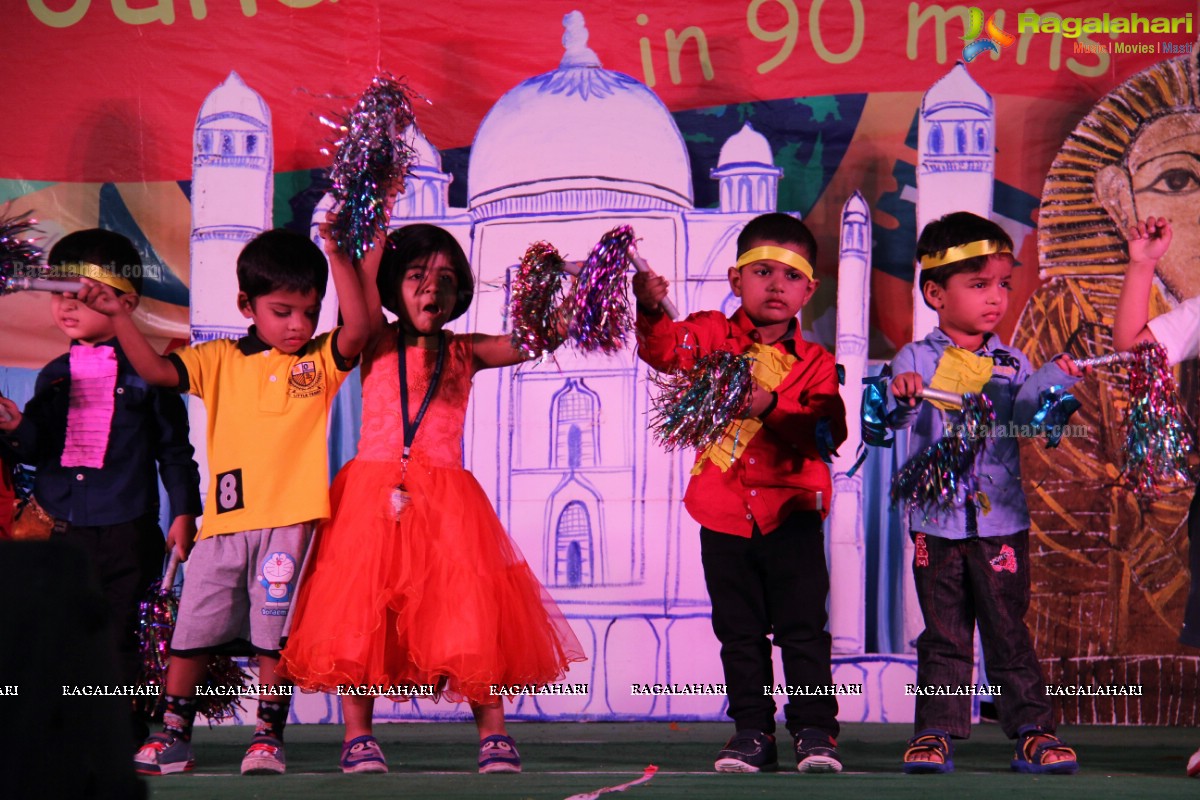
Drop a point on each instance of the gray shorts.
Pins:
(238, 591)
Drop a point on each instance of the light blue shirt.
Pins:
(1015, 392)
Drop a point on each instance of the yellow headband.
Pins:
(780, 254)
(96, 272)
(984, 247)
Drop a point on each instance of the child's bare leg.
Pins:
(185, 673)
(357, 714)
(489, 719)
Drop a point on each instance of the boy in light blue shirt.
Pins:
(971, 562)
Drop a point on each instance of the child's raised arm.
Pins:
(357, 324)
(155, 369)
(1148, 241)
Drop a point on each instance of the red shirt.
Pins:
(781, 469)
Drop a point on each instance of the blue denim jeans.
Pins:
(961, 583)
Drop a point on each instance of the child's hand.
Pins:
(1068, 365)
(760, 401)
(99, 297)
(181, 535)
(328, 241)
(1148, 240)
(10, 415)
(907, 387)
(649, 288)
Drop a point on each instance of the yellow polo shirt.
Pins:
(267, 418)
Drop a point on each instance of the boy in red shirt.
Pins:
(760, 494)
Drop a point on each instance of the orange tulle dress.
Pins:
(441, 597)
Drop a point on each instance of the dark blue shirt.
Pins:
(149, 429)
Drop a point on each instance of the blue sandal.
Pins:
(932, 741)
(1031, 753)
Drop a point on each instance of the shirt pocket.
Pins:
(273, 390)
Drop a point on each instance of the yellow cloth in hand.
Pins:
(962, 372)
(770, 368)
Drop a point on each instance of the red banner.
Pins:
(107, 90)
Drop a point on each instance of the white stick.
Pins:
(1104, 361)
(21, 284)
(168, 581)
(640, 265)
(943, 396)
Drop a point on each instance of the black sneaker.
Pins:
(816, 752)
(748, 751)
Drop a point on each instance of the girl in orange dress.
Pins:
(413, 581)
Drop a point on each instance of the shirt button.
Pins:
(272, 379)
(752, 461)
(749, 516)
(754, 492)
(79, 477)
(121, 390)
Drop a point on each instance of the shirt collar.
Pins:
(742, 324)
(113, 343)
(991, 341)
(250, 344)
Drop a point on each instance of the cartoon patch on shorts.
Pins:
(1006, 561)
(305, 380)
(278, 578)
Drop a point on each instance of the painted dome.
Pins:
(747, 146)
(233, 102)
(558, 133)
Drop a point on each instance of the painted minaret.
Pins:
(956, 165)
(847, 602)
(232, 185)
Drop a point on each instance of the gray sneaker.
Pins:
(162, 754)
(265, 756)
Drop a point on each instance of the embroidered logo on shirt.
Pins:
(305, 380)
(1006, 561)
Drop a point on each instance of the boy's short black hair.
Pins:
(281, 260)
(954, 230)
(412, 243)
(107, 249)
(778, 227)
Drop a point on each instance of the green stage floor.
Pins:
(563, 759)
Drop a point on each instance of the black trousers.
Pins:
(961, 583)
(772, 585)
(1190, 635)
(127, 558)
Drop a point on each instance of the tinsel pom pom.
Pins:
(372, 156)
(537, 293)
(1055, 407)
(695, 406)
(600, 315)
(943, 474)
(19, 254)
(1157, 441)
(221, 682)
(156, 622)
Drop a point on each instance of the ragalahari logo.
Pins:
(994, 38)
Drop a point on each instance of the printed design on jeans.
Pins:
(1006, 561)
(922, 556)
(278, 578)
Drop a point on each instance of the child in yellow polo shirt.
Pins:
(268, 396)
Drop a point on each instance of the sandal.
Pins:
(932, 741)
(1033, 744)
